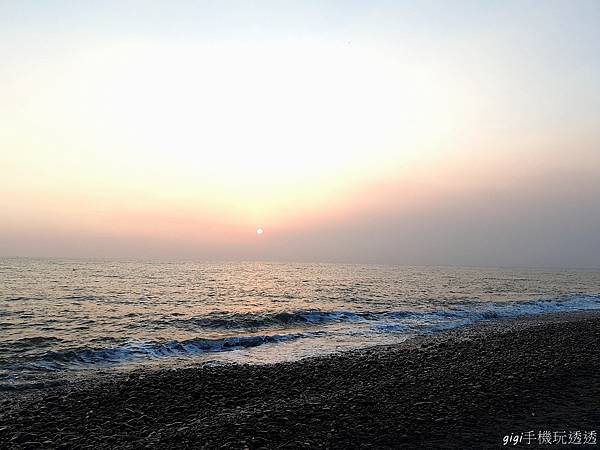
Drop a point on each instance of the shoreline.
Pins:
(462, 388)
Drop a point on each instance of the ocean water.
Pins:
(59, 317)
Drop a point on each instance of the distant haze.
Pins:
(450, 132)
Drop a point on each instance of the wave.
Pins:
(439, 320)
(233, 320)
(536, 307)
(34, 341)
(476, 310)
(305, 323)
(81, 357)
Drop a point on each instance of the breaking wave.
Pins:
(471, 310)
(83, 356)
(232, 320)
(299, 324)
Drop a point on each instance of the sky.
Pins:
(393, 132)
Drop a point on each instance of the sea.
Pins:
(65, 318)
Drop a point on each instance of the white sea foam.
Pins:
(115, 313)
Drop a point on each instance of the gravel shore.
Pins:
(466, 388)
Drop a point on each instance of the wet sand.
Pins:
(465, 388)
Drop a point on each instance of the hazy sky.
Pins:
(414, 132)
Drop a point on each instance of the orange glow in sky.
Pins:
(183, 138)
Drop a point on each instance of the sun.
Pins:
(259, 231)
